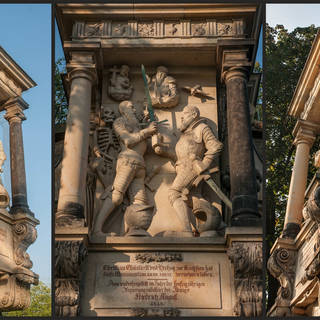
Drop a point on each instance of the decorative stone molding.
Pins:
(68, 258)
(247, 261)
(158, 29)
(158, 257)
(282, 266)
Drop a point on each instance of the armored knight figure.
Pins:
(130, 168)
(163, 89)
(120, 87)
(194, 152)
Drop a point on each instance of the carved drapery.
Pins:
(246, 258)
(68, 258)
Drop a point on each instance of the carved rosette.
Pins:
(68, 258)
(246, 258)
(281, 265)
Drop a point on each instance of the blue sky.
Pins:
(293, 15)
(25, 33)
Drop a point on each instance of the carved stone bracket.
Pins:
(281, 265)
(15, 274)
(68, 258)
(246, 258)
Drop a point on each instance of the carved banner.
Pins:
(162, 285)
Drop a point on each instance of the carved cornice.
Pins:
(209, 28)
(20, 81)
(246, 258)
(302, 97)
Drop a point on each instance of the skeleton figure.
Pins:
(194, 152)
(130, 168)
(120, 87)
(163, 89)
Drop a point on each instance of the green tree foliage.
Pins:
(40, 303)
(285, 56)
(61, 104)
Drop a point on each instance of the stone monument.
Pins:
(294, 259)
(158, 212)
(17, 222)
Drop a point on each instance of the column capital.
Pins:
(82, 65)
(14, 110)
(305, 132)
(235, 72)
(235, 61)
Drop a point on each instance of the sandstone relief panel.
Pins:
(140, 171)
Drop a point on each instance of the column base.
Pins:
(291, 230)
(246, 220)
(245, 211)
(21, 209)
(72, 215)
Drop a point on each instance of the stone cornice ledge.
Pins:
(19, 76)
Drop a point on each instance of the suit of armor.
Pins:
(195, 151)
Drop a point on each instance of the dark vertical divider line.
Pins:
(264, 228)
(52, 156)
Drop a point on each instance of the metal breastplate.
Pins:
(188, 149)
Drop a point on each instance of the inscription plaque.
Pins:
(154, 284)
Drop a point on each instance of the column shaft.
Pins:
(241, 161)
(76, 142)
(293, 218)
(18, 173)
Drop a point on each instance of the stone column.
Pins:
(82, 74)
(242, 170)
(14, 115)
(305, 133)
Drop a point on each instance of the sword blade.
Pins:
(146, 88)
(219, 193)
